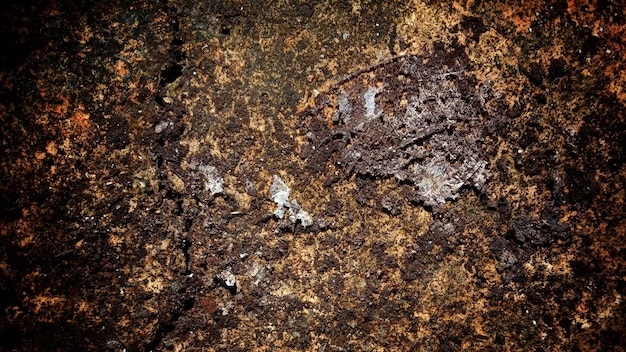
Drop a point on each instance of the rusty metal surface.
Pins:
(320, 176)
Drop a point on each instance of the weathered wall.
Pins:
(312, 176)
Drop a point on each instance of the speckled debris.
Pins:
(213, 181)
(279, 192)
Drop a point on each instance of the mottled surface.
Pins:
(312, 176)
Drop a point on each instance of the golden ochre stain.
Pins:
(138, 108)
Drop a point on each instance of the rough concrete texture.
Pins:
(319, 176)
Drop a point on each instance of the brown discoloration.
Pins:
(113, 119)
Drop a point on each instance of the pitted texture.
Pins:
(417, 119)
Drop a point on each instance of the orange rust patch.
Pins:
(81, 118)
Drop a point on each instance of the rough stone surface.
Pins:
(455, 176)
